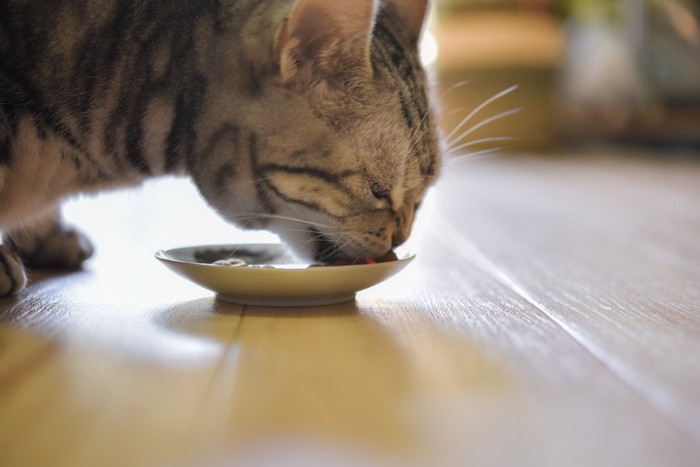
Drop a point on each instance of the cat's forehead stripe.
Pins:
(403, 66)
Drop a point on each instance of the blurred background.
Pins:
(587, 71)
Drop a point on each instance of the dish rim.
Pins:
(164, 254)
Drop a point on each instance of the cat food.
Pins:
(247, 255)
(389, 256)
(232, 262)
(239, 262)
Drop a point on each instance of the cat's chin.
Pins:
(311, 245)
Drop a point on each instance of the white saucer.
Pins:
(283, 285)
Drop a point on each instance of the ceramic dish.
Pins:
(271, 279)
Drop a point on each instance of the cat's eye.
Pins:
(379, 191)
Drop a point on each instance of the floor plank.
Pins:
(609, 250)
(81, 378)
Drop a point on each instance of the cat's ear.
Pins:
(412, 14)
(323, 37)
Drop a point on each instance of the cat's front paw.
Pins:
(12, 276)
(64, 248)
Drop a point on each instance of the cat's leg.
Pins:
(46, 242)
(12, 277)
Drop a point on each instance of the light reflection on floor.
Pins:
(163, 213)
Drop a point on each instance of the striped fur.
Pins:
(306, 117)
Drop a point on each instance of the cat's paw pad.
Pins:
(12, 277)
(65, 248)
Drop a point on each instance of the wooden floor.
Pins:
(552, 318)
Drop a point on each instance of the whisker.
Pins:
(338, 247)
(471, 130)
(476, 142)
(413, 139)
(456, 85)
(452, 184)
(451, 112)
(285, 218)
(313, 238)
(479, 108)
(474, 155)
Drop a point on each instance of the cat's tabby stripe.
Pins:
(409, 82)
(19, 99)
(304, 203)
(328, 177)
(183, 136)
(258, 175)
(269, 106)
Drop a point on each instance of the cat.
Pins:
(308, 118)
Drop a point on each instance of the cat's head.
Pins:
(338, 139)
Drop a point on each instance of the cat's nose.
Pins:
(403, 221)
(398, 239)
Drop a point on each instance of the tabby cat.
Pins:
(309, 118)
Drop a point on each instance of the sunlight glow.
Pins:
(428, 49)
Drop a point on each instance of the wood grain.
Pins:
(610, 250)
(550, 319)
